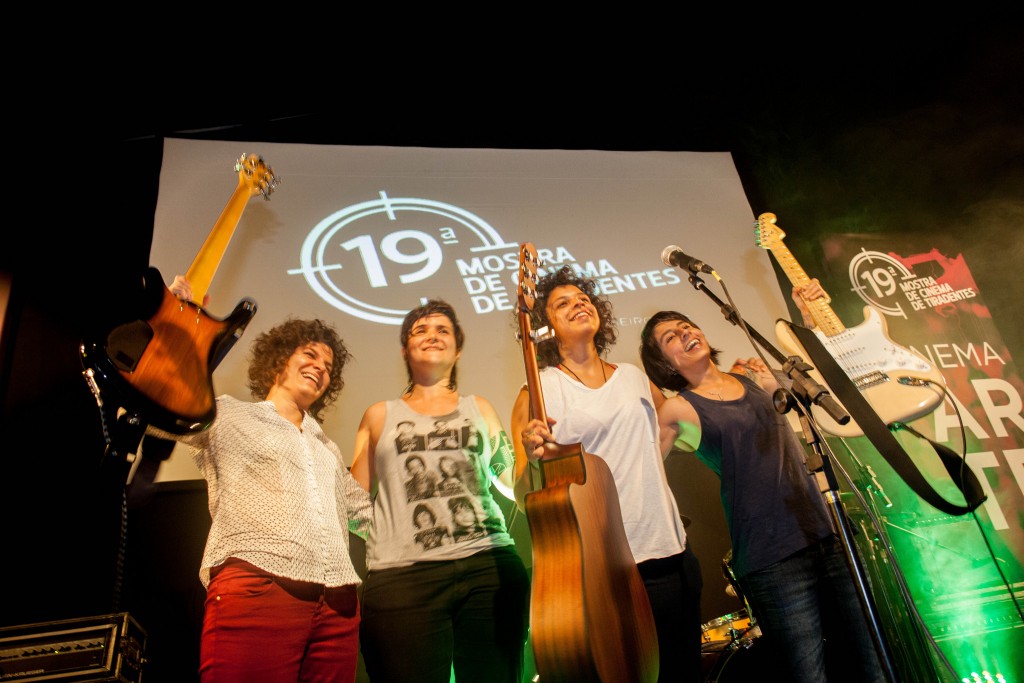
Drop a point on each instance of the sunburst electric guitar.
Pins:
(161, 367)
(590, 619)
(873, 362)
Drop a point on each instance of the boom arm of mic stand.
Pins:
(804, 386)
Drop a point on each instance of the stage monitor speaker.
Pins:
(109, 647)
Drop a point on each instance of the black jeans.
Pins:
(673, 586)
(472, 613)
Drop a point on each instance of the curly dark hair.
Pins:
(271, 350)
(432, 307)
(547, 352)
(657, 368)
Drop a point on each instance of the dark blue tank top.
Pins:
(773, 505)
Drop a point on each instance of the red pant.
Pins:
(260, 628)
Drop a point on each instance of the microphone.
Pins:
(674, 256)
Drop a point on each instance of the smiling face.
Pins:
(307, 373)
(463, 515)
(432, 341)
(416, 324)
(682, 345)
(571, 313)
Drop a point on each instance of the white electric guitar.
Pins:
(873, 362)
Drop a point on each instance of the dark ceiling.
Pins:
(703, 96)
(777, 100)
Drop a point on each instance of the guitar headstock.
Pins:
(526, 290)
(254, 173)
(766, 233)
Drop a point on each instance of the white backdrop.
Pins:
(359, 235)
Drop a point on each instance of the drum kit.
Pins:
(730, 646)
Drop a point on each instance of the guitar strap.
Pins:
(884, 441)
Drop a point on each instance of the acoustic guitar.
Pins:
(590, 618)
(161, 367)
(895, 381)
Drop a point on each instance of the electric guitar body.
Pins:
(590, 618)
(895, 381)
(161, 366)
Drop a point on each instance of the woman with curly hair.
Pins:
(281, 600)
(610, 409)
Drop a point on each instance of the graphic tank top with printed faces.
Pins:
(433, 498)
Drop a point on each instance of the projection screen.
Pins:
(360, 235)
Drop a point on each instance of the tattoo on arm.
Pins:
(503, 455)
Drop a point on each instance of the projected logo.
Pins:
(885, 283)
(876, 277)
(371, 259)
(379, 252)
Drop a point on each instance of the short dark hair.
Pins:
(659, 370)
(271, 350)
(547, 353)
(432, 307)
(421, 507)
(456, 504)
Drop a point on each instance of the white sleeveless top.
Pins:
(618, 422)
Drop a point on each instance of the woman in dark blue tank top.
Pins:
(786, 557)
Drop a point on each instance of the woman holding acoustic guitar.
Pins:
(446, 589)
(610, 409)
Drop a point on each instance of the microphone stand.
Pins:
(806, 391)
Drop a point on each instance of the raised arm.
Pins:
(809, 292)
(657, 394)
(755, 369)
(678, 425)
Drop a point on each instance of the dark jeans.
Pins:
(673, 586)
(810, 615)
(472, 613)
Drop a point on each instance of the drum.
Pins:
(744, 659)
(724, 629)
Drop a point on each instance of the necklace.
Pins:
(604, 375)
(716, 394)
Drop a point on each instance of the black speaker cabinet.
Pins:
(110, 647)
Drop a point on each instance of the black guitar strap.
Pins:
(883, 440)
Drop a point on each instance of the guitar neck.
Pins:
(822, 314)
(200, 273)
(537, 409)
